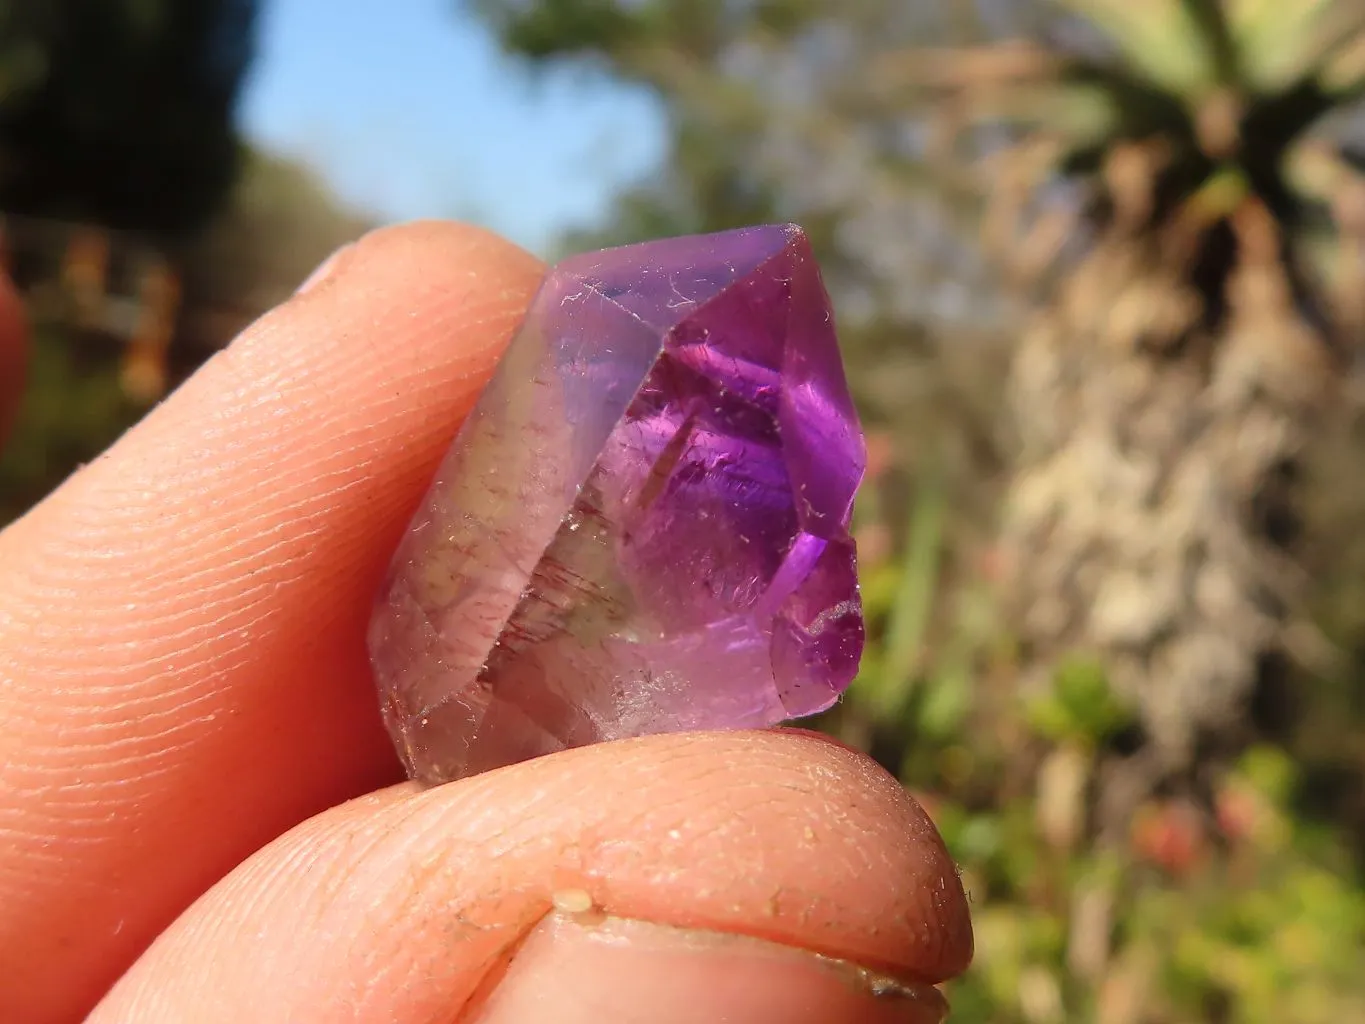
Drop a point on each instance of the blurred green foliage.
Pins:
(275, 225)
(1254, 913)
(72, 408)
(117, 123)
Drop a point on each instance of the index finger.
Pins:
(182, 665)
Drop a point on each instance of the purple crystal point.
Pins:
(643, 525)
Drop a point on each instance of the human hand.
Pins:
(201, 818)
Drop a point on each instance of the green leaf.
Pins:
(912, 607)
(1273, 38)
(946, 703)
(1271, 773)
(1081, 706)
(1159, 38)
(1283, 43)
(979, 839)
(1211, 22)
(1344, 72)
(1079, 112)
(564, 27)
(1083, 688)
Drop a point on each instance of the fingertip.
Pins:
(420, 253)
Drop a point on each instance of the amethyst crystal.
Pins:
(643, 525)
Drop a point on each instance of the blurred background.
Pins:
(1099, 269)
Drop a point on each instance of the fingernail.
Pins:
(577, 969)
(324, 270)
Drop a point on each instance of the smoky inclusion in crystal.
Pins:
(642, 526)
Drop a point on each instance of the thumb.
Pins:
(736, 876)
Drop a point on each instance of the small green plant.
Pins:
(1080, 708)
(1246, 913)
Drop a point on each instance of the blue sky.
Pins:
(413, 112)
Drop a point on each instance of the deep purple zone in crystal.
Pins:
(643, 525)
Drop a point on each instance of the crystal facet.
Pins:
(643, 525)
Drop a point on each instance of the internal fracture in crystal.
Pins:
(643, 525)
